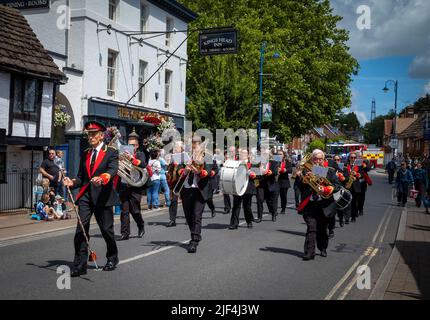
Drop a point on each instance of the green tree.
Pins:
(310, 81)
(373, 132)
(347, 121)
(316, 144)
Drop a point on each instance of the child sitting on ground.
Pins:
(59, 208)
(42, 209)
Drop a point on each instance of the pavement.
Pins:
(260, 263)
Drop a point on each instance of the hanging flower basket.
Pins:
(61, 118)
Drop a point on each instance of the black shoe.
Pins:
(323, 253)
(283, 211)
(360, 213)
(232, 227)
(274, 217)
(346, 221)
(308, 257)
(258, 220)
(226, 211)
(192, 248)
(249, 225)
(331, 234)
(171, 224)
(124, 237)
(352, 220)
(213, 214)
(341, 224)
(141, 231)
(110, 265)
(78, 271)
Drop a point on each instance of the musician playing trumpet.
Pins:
(317, 205)
(195, 192)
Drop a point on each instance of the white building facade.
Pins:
(92, 42)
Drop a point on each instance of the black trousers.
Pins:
(210, 201)
(297, 195)
(104, 218)
(246, 199)
(130, 203)
(173, 209)
(260, 201)
(354, 204)
(316, 232)
(390, 176)
(283, 192)
(193, 204)
(271, 201)
(402, 192)
(342, 215)
(227, 202)
(361, 200)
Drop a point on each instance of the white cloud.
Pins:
(398, 28)
(361, 116)
(427, 88)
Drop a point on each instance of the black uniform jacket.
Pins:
(284, 178)
(329, 204)
(106, 166)
(270, 182)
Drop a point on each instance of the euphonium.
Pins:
(312, 180)
(129, 173)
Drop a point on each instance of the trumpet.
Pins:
(197, 165)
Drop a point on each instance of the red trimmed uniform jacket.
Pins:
(106, 167)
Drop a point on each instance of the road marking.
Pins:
(141, 256)
(357, 263)
(371, 255)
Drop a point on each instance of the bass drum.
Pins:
(234, 178)
(343, 198)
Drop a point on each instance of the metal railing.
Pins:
(18, 192)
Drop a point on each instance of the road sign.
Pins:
(394, 143)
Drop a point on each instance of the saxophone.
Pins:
(351, 180)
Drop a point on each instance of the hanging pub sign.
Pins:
(26, 4)
(218, 42)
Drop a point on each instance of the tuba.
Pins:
(129, 173)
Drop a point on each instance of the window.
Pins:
(169, 27)
(27, 95)
(142, 78)
(2, 167)
(143, 17)
(167, 88)
(111, 73)
(113, 7)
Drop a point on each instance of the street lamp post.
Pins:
(386, 89)
(260, 95)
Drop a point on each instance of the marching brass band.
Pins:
(325, 190)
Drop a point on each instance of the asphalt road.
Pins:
(260, 263)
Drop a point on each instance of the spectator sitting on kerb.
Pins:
(42, 209)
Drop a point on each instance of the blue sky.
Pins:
(371, 79)
(394, 46)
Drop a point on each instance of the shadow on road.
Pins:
(53, 264)
(296, 233)
(295, 253)
(416, 255)
(215, 226)
(166, 243)
(420, 227)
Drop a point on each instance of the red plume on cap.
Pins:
(94, 126)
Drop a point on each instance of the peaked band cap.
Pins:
(93, 126)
